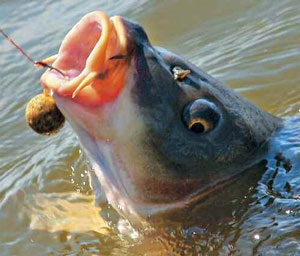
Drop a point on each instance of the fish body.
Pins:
(156, 141)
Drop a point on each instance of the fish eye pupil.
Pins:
(201, 116)
(197, 128)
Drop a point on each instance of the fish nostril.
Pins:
(201, 116)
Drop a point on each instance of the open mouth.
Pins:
(91, 58)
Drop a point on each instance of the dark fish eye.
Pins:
(201, 116)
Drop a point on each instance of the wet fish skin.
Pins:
(144, 155)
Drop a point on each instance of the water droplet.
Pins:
(289, 211)
(134, 235)
(256, 236)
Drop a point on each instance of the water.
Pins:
(46, 203)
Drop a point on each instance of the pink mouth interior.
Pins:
(77, 47)
(84, 59)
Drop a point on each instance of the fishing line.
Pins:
(36, 63)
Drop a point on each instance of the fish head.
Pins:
(158, 131)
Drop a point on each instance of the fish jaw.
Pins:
(104, 132)
(104, 114)
(86, 56)
(96, 48)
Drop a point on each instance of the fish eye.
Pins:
(201, 116)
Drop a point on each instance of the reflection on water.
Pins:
(46, 203)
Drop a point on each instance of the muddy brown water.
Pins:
(46, 203)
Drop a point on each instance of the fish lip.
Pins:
(86, 56)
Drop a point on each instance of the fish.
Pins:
(159, 133)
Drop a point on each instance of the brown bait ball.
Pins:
(43, 116)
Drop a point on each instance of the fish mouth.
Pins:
(93, 58)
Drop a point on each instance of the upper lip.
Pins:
(84, 58)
